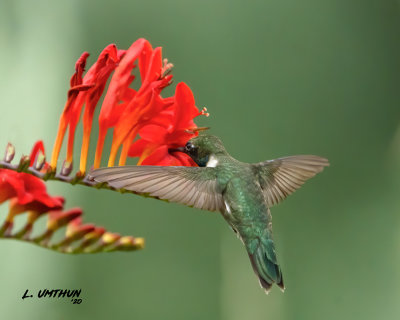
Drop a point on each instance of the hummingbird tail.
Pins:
(265, 265)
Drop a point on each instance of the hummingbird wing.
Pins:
(281, 177)
(192, 186)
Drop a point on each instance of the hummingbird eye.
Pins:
(189, 147)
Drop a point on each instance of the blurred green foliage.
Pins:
(279, 78)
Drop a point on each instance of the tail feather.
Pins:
(265, 265)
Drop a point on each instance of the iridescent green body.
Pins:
(246, 211)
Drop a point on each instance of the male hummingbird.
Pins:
(242, 192)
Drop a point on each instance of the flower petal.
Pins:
(158, 157)
(154, 133)
(119, 84)
(185, 106)
(137, 148)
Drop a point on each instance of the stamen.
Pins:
(204, 112)
(167, 67)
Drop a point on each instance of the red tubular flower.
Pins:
(86, 91)
(98, 74)
(147, 104)
(27, 189)
(36, 190)
(119, 94)
(69, 110)
(169, 130)
(11, 186)
(126, 116)
(26, 194)
(161, 122)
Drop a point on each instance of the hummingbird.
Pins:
(242, 192)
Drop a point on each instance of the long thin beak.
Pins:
(181, 149)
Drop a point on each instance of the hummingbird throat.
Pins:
(212, 162)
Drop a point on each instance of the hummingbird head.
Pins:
(202, 147)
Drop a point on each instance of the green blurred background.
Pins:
(279, 78)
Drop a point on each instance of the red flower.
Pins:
(26, 194)
(27, 190)
(160, 122)
(125, 108)
(170, 130)
(11, 186)
(69, 110)
(119, 93)
(86, 91)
